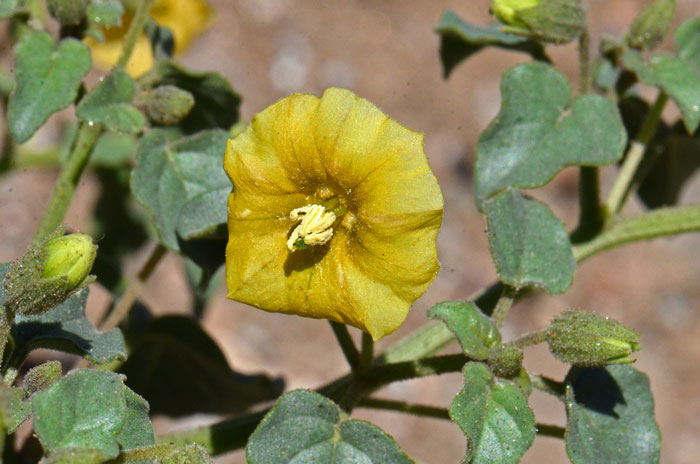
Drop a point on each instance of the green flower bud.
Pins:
(70, 257)
(49, 274)
(168, 105)
(505, 361)
(68, 12)
(584, 338)
(650, 27)
(557, 21)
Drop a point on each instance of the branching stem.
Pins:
(346, 344)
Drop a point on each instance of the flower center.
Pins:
(314, 229)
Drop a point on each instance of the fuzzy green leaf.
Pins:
(181, 181)
(557, 21)
(105, 13)
(651, 25)
(113, 150)
(687, 39)
(460, 39)
(109, 103)
(41, 377)
(529, 245)
(75, 456)
(476, 332)
(495, 417)
(610, 416)
(47, 79)
(680, 79)
(91, 409)
(175, 364)
(538, 132)
(307, 427)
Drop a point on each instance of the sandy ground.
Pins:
(387, 52)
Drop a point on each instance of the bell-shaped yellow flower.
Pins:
(334, 213)
(185, 18)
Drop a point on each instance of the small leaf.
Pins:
(610, 416)
(91, 409)
(13, 407)
(109, 104)
(538, 133)
(215, 102)
(105, 13)
(181, 181)
(75, 456)
(687, 39)
(9, 8)
(460, 39)
(476, 332)
(304, 426)
(651, 25)
(678, 78)
(113, 150)
(529, 245)
(47, 80)
(41, 377)
(495, 417)
(175, 365)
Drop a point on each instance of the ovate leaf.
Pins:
(680, 79)
(181, 181)
(109, 103)
(538, 132)
(688, 41)
(529, 245)
(307, 427)
(476, 332)
(460, 39)
(610, 416)
(47, 78)
(495, 417)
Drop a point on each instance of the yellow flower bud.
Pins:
(70, 256)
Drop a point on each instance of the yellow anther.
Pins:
(315, 227)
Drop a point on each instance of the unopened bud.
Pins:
(68, 12)
(584, 338)
(557, 21)
(167, 105)
(70, 257)
(650, 27)
(505, 361)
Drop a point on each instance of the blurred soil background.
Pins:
(387, 52)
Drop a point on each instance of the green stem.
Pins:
(590, 212)
(366, 356)
(346, 344)
(584, 61)
(135, 30)
(529, 339)
(408, 408)
(548, 386)
(657, 223)
(358, 387)
(621, 188)
(144, 454)
(553, 431)
(67, 181)
(504, 304)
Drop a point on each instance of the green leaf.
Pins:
(678, 78)
(75, 456)
(476, 332)
(610, 416)
(13, 407)
(176, 364)
(557, 21)
(181, 181)
(105, 13)
(188, 454)
(651, 25)
(216, 103)
(529, 245)
(9, 8)
(47, 77)
(91, 409)
(306, 427)
(495, 417)
(109, 103)
(460, 39)
(113, 150)
(41, 377)
(538, 132)
(687, 39)
(65, 328)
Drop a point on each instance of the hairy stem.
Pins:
(621, 188)
(408, 408)
(553, 431)
(135, 31)
(503, 305)
(548, 386)
(529, 339)
(346, 344)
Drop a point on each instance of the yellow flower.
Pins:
(185, 18)
(334, 213)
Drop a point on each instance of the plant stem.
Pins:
(122, 307)
(548, 385)
(361, 375)
(68, 181)
(553, 431)
(346, 344)
(657, 223)
(144, 454)
(503, 305)
(402, 406)
(529, 339)
(135, 31)
(590, 219)
(584, 61)
(366, 356)
(621, 188)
